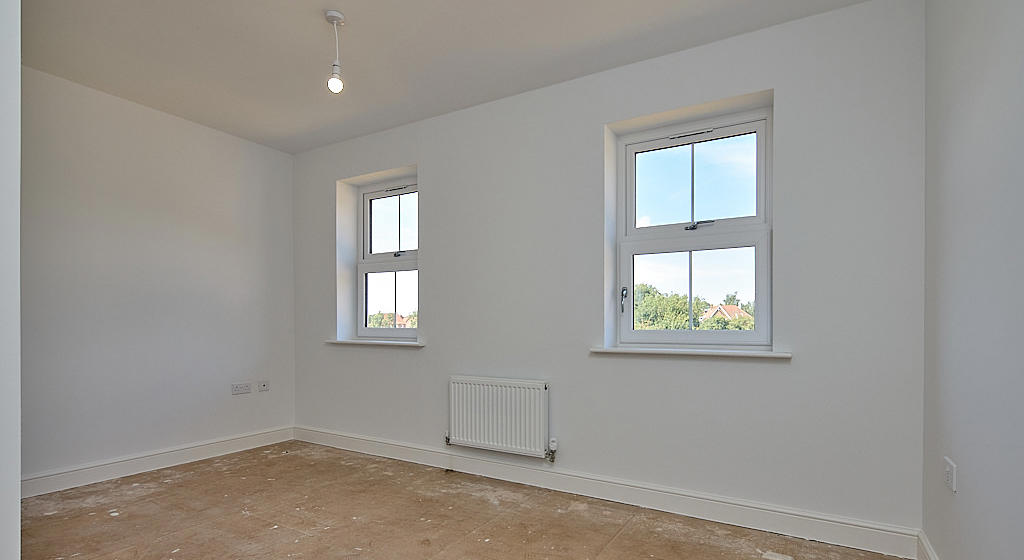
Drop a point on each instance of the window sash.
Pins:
(381, 191)
(756, 122)
(378, 332)
(760, 336)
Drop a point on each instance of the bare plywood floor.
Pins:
(299, 500)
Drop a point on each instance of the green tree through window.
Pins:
(655, 310)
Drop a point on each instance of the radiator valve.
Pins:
(552, 449)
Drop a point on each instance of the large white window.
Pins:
(388, 280)
(694, 235)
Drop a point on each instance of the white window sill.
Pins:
(375, 342)
(648, 351)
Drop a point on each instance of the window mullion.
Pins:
(693, 211)
(693, 219)
(689, 288)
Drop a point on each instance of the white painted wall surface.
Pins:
(157, 270)
(974, 378)
(10, 279)
(512, 262)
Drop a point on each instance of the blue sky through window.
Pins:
(719, 272)
(723, 182)
(725, 178)
(716, 273)
(384, 224)
(663, 186)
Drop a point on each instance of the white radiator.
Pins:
(509, 415)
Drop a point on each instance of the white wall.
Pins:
(975, 193)
(10, 300)
(157, 269)
(512, 262)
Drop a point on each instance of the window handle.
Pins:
(398, 254)
(695, 225)
(622, 299)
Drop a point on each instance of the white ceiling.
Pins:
(256, 68)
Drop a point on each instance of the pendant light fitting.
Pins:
(334, 82)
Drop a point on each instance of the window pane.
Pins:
(380, 299)
(409, 217)
(725, 178)
(384, 224)
(407, 298)
(723, 288)
(663, 186)
(660, 291)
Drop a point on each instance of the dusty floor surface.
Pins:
(299, 500)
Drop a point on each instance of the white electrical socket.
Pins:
(263, 386)
(241, 388)
(950, 474)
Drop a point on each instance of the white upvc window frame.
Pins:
(749, 231)
(381, 262)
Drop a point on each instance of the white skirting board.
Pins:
(865, 535)
(924, 548)
(52, 481)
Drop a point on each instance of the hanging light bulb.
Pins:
(334, 81)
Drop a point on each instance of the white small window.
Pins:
(388, 274)
(694, 240)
